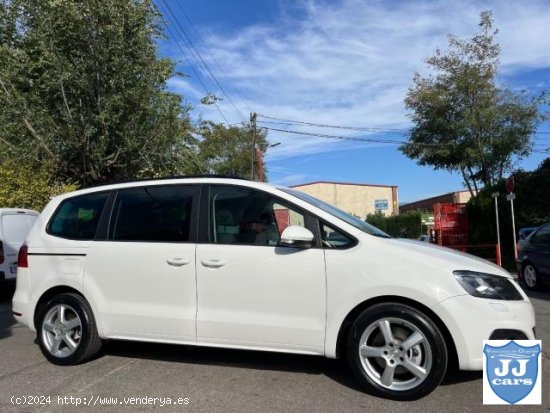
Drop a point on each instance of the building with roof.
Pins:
(355, 198)
(427, 204)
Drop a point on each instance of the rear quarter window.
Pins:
(77, 218)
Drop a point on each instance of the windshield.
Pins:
(338, 213)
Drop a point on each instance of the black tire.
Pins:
(404, 321)
(89, 342)
(537, 285)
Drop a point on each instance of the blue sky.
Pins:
(346, 62)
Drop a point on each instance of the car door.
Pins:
(539, 250)
(15, 227)
(142, 275)
(252, 292)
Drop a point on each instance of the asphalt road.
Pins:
(219, 380)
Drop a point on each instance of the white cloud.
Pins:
(184, 87)
(292, 179)
(350, 62)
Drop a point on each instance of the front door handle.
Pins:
(177, 262)
(213, 263)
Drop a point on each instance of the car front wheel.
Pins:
(397, 352)
(66, 330)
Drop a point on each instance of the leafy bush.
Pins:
(22, 186)
(406, 225)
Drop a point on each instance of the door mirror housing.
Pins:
(295, 236)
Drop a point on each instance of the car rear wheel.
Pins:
(397, 352)
(66, 330)
(531, 277)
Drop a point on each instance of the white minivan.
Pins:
(15, 224)
(231, 263)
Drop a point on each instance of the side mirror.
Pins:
(295, 236)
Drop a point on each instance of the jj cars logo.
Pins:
(511, 372)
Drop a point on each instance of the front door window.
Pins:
(249, 217)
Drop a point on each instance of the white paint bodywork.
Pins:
(12, 240)
(259, 297)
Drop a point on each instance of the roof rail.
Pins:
(127, 181)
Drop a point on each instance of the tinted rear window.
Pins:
(155, 213)
(77, 218)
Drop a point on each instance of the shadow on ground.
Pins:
(542, 294)
(336, 370)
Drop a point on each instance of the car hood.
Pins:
(444, 258)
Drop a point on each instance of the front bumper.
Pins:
(471, 320)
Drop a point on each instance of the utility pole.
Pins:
(260, 157)
(510, 188)
(499, 253)
(253, 116)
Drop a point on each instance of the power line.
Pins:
(201, 60)
(348, 138)
(357, 128)
(289, 122)
(209, 51)
(374, 140)
(367, 130)
(201, 82)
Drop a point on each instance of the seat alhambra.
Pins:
(231, 263)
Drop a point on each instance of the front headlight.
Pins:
(487, 285)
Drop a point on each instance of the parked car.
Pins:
(523, 234)
(424, 238)
(534, 259)
(15, 224)
(232, 263)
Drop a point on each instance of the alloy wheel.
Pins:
(530, 276)
(61, 330)
(395, 354)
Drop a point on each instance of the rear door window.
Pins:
(77, 218)
(154, 214)
(542, 236)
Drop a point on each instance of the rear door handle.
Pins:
(177, 262)
(213, 263)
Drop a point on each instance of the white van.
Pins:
(15, 224)
(231, 263)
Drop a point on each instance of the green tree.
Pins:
(462, 120)
(82, 88)
(530, 208)
(227, 150)
(25, 186)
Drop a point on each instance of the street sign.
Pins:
(380, 204)
(510, 184)
(511, 196)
